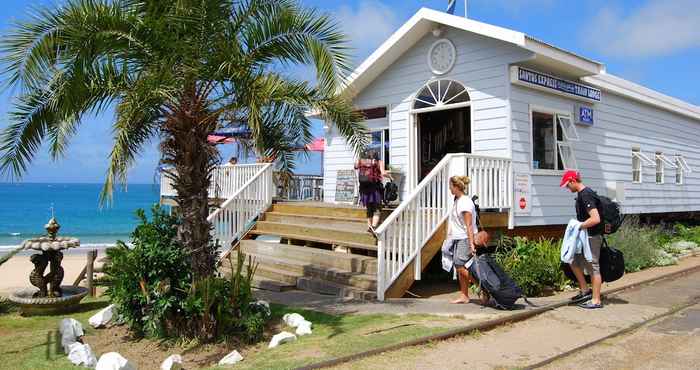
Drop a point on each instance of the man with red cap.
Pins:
(588, 213)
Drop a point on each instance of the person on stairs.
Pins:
(370, 174)
(461, 230)
(588, 214)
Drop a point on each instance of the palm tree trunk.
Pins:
(185, 147)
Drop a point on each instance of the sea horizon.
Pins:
(25, 207)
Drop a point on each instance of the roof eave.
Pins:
(585, 66)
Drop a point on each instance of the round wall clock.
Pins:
(442, 56)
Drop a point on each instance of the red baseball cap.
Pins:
(569, 176)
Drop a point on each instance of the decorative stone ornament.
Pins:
(442, 56)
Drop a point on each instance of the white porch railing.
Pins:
(225, 180)
(238, 213)
(403, 234)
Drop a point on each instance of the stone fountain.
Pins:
(49, 297)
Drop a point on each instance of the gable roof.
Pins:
(589, 71)
(425, 20)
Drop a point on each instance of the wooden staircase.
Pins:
(322, 248)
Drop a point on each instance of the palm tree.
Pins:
(174, 70)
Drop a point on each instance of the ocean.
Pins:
(26, 207)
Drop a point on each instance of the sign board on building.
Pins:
(583, 114)
(523, 201)
(345, 186)
(541, 81)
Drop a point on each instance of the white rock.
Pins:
(173, 362)
(103, 317)
(114, 361)
(281, 338)
(304, 328)
(81, 354)
(70, 330)
(293, 319)
(231, 359)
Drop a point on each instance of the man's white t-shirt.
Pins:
(457, 227)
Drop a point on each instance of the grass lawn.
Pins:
(34, 343)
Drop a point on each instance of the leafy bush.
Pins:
(641, 245)
(151, 283)
(534, 265)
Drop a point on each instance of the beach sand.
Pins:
(14, 274)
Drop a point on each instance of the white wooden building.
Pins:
(446, 84)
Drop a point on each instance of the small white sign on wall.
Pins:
(523, 199)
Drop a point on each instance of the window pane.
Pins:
(566, 153)
(376, 143)
(636, 168)
(386, 157)
(567, 128)
(543, 141)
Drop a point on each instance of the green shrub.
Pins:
(534, 265)
(641, 245)
(151, 284)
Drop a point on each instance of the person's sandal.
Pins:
(590, 305)
(582, 296)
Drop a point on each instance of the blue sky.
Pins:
(655, 43)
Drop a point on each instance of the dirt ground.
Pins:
(149, 354)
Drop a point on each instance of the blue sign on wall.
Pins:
(585, 115)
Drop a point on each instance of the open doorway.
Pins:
(440, 133)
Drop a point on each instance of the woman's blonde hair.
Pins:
(460, 182)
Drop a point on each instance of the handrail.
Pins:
(402, 236)
(239, 212)
(225, 180)
(239, 191)
(395, 213)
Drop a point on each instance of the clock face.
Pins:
(441, 56)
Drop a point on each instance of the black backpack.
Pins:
(496, 282)
(610, 214)
(391, 192)
(612, 265)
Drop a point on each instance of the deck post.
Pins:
(381, 270)
(89, 271)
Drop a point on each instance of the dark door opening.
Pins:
(440, 133)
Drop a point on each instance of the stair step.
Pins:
(330, 288)
(320, 209)
(262, 282)
(296, 257)
(362, 240)
(289, 270)
(340, 223)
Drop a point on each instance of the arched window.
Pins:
(440, 93)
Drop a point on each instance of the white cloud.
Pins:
(367, 25)
(654, 29)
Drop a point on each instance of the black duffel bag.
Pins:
(612, 264)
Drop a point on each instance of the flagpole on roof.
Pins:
(465, 8)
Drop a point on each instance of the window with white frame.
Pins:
(639, 159)
(379, 142)
(552, 135)
(636, 166)
(661, 162)
(681, 169)
(659, 169)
